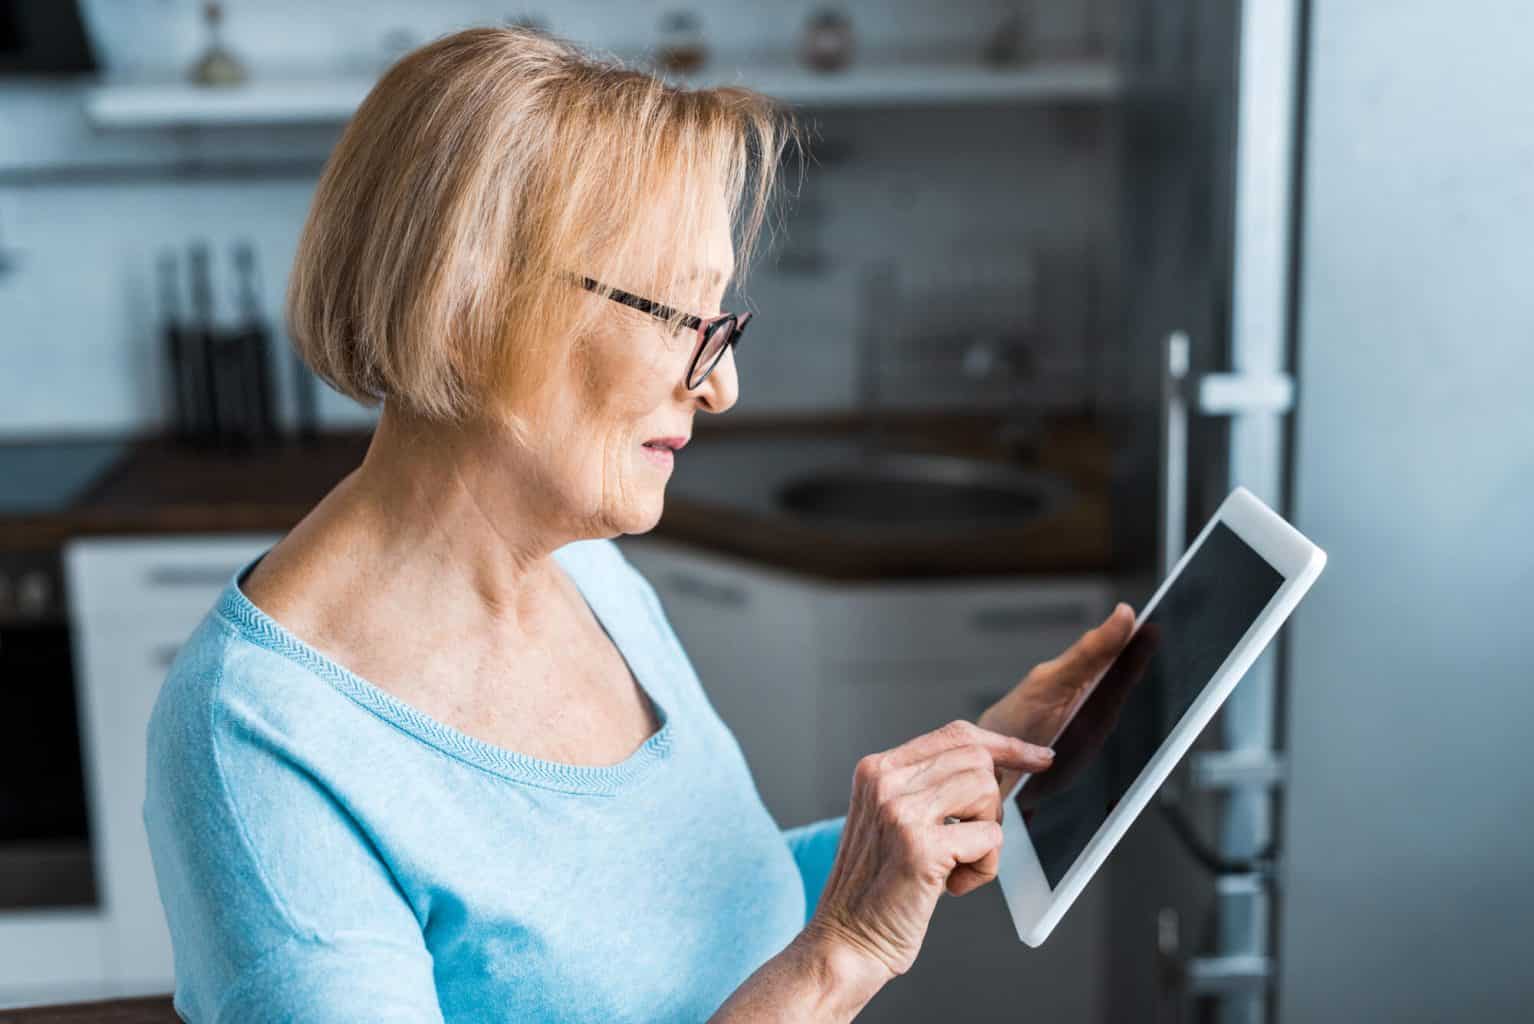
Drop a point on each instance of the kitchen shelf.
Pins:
(931, 85)
(322, 101)
(181, 104)
(159, 171)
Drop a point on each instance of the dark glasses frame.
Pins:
(732, 326)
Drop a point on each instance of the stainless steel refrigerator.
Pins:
(1208, 163)
(1327, 215)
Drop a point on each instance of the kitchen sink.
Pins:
(899, 490)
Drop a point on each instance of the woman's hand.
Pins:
(1039, 707)
(897, 856)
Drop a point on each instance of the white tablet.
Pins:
(1206, 624)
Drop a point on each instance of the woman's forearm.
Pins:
(814, 978)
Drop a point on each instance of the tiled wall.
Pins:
(1012, 190)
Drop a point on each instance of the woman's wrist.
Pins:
(816, 977)
(845, 976)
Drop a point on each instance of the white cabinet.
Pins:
(955, 622)
(133, 603)
(50, 956)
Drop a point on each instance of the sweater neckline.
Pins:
(261, 629)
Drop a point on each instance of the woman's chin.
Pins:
(642, 517)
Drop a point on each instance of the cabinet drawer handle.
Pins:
(1003, 619)
(189, 576)
(707, 590)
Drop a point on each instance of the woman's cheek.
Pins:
(620, 490)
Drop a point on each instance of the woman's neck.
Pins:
(454, 512)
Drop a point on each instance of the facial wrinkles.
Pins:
(638, 364)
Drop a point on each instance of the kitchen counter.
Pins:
(161, 487)
(720, 497)
(145, 1010)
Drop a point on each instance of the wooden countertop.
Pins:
(163, 488)
(147, 1010)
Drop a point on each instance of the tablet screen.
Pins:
(1192, 630)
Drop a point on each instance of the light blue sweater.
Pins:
(327, 853)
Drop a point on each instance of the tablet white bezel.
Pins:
(1035, 907)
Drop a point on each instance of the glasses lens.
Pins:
(714, 344)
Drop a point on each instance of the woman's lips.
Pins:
(660, 456)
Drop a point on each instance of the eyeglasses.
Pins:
(715, 335)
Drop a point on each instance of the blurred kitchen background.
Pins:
(1057, 275)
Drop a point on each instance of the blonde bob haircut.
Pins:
(481, 172)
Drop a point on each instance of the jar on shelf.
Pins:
(1011, 41)
(682, 49)
(827, 41)
(218, 66)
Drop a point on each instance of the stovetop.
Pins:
(46, 476)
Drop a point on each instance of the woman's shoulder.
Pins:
(259, 864)
(233, 677)
(209, 660)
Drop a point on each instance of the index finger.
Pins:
(1005, 751)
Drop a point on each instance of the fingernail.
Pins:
(1047, 753)
(1122, 607)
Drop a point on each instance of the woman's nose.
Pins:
(721, 387)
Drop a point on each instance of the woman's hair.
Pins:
(481, 171)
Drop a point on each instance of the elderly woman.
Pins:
(438, 754)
